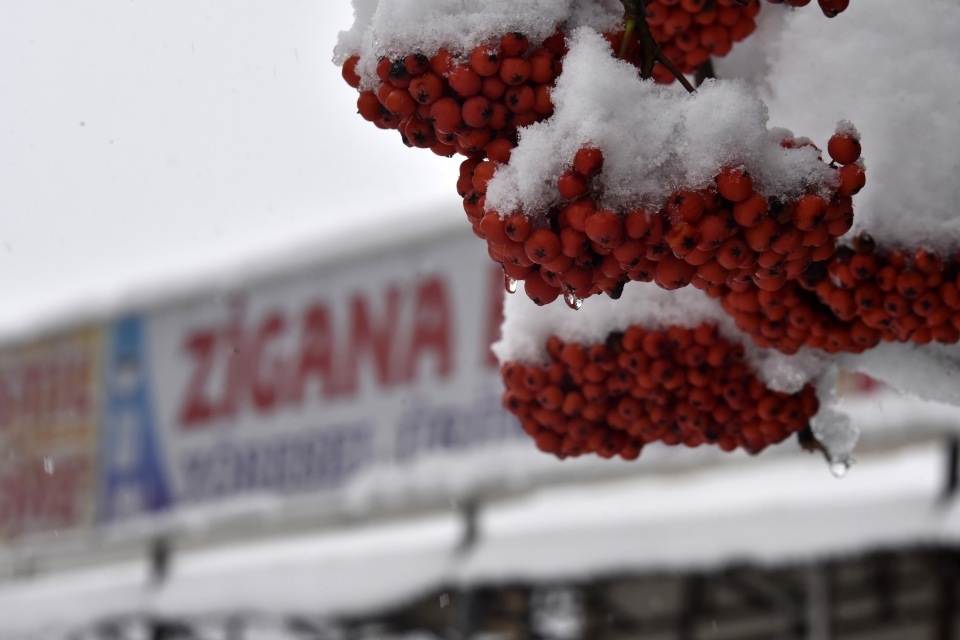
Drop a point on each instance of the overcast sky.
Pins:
(145, 142)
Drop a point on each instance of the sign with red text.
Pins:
(49, 430)
(306, 383)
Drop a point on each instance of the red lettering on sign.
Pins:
(374, 336)
(431, 330)
(266, 375)
(264, 370)
(316, 357)
(197, 406)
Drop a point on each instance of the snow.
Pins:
(867, 67)
(888, 72)
(832, 427)
(356, 570)
(930, 372)
(764, 513)
(79, 596)
(655, 139)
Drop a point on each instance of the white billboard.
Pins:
(307, 382)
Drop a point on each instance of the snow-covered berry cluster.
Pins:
(726, 233)
(587, 172)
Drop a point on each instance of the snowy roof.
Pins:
(52, 604)
(761, 512)
(343, 573)
(769, 510)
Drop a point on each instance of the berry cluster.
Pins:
(676, 386)
(791, 318)
(471, 105)
(830, 8)
(691, 31)
(856, 297)
(859, 297)
(725, 234)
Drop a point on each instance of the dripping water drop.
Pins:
(573, 301)
(840, 466)
(510, 284)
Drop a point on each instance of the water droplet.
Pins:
(573, 301)
(510, 284)
(840, 466)
(48, 466)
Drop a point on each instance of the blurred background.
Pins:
(246, 388)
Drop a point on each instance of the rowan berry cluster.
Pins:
(676, 386)
(726, 234)
(791, 318)
(471, 105)
(830, 8)
(861, 296)
(770, 258)
(858, 296)
(690, 32)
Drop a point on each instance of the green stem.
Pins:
(630, 25)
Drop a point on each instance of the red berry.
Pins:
(446, 115)
(844, 148)
(485, 60)
(572, 185)
(476, 111)
(539, 290)
(514, 44)
(464, 81)
(588, 161)
(542, 246)
(349, 71)
(605, 228)
(734, 184)
(515, 71)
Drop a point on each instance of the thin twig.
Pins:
(665, 61)
(705, 72)
(635, 18)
